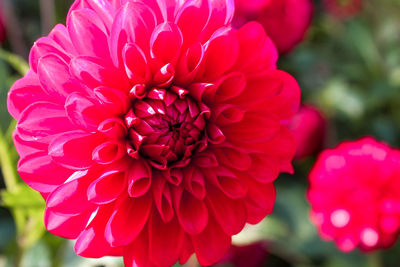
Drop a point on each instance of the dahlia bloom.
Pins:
(355, 195)
(309, 128)
(153, 128)
(285, 21)
(343, 8)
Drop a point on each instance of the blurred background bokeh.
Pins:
(348, 67)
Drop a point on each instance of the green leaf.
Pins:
(15, 61)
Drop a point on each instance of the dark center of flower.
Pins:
(166, 126)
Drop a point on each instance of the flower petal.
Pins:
(128, 219)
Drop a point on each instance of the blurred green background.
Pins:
(349, 68)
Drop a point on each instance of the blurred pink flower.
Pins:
(355, 195)
(252, 255)
(2, 27)
(343, 8)
(285, 21)
(153, 129)
(309, 128)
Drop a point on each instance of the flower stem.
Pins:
(6, 164)
(375, 259)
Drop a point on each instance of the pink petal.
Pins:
(94, 72)
(257, 51)
(44, 46)
(254, 128)
(233, 158)
(191, 19)
(166, 42)
(55, 79)
(136, 64)
(220, 54)
(109, 152)
(211, 244)
(221, 14)
(107, 187)
(91, 243)
(38, 169)
(74, 149)
(162, 198)
(23, 92)
(259, 201)
(139, 178)
(230, 213)
(128, 220)
(64, 225)
(83, 112)
(42, 121)
(165, 241)
(86, 22)
(133, 23)
(61, 36)
(192, 212)
(114, 101)
(71, 198)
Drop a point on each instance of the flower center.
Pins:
(166, 128)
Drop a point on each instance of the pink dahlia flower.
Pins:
(343, 8)
(153, 128)
(285, 21)
(309, 128)
(355, 195)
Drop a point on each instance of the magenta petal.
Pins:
(71, 198)
(136, 65)
(221, 53)
(165, 241)
(191, 19)
(113, 100)
(114, 128)
(22, 92)
(192, 213)
(42, 121)
(55, 78)
(109, 152)
(163, 198)
(74, 149)
(128, 219)
(139, 178)
(133, 23)
(259, 200)
(166, 42)
(233, 158)
(107, 187)
(43, 46)
(83, 112)
(95, 72)
(38, 169)
(61, 36)
(211, 244)
(91, 242)
(64, 225)
(86, 23)
(230, 213)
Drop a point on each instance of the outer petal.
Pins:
(211, 244)
(38, 170)
(165, 241)
(65, 225)
(23, 92)
(86, 22)
(128, 219)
